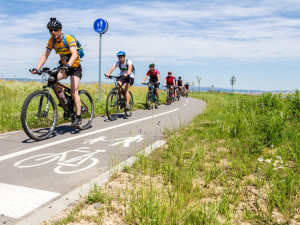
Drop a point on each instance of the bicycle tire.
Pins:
(87, 109)
(149, 100)
(128, 113)
(112, 105)
(169, 97)
(36, 124)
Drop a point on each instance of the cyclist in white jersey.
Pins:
(126, 72)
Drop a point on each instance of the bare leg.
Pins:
(75, 81)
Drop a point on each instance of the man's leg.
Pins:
(127, 85)
(75, 81)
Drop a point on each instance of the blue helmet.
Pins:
(120, 53)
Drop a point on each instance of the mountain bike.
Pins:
(178, 94)
(150, 96)
(39, 111)
(116, 100)
(170, 95)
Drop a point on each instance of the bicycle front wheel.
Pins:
(87, 109)
(149, 100)
(129, 112)
(112, 105)
(38, 116)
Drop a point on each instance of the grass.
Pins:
(238, 162)
(13, 94)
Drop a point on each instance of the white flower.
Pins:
(268, 160)
(260, 159)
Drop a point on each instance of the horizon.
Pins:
(256, 41)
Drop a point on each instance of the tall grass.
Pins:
(236, 163)
(13, 94)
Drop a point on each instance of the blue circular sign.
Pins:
(100, 26)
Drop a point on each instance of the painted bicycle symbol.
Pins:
(81, 159)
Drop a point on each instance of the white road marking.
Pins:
(17, 201)
(12, 155)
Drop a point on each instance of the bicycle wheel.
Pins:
(149, 100)
(128, 113)
(87, 109)
(38, 123)
(112, 105)
(169, 97)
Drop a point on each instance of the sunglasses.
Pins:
(54, 29)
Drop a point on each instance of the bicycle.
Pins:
(178, 93)
(170, 97)
(115, 99)
(150, 96)
(39, 111)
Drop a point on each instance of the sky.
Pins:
(256, 41)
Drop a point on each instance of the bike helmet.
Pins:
(152, 65)
(120, 53)
(54, 23)
(169, 72)
(179, 77)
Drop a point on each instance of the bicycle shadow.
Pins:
(60, 130)
(119, 116)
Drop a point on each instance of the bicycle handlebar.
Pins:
(111, 77)
(48, 71)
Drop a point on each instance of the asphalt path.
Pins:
(35, 174)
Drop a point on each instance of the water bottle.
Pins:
(62, 96)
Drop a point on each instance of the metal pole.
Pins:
(100, 46)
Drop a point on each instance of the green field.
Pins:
(13, 94)
(237, 163)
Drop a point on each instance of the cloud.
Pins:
(179, 32)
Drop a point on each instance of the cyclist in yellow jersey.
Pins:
(69, 58)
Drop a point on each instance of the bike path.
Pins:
(48, 170)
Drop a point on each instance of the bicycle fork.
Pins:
(45, 113)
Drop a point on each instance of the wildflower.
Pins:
(268, 160)
(260, 159)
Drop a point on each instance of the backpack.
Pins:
(78, 45)
(126, 68)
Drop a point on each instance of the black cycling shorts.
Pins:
(155, 84)
(126, 80)
(75, 71)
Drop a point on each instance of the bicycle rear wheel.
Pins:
(87, 109)
(128, 113)
(149, 100)
(37, 122)
(112, 105)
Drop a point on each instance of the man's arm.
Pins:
(158, 78)
(144, 79)
(74, 55)
(111, 70)
(43, 58)
(129, 70)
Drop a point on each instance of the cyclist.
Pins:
(179, 85)
(68, 58)
(187, 88)
(154, 78)
(170, 80)
(126, 75)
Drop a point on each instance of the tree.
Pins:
(232, 81)
(199, 79)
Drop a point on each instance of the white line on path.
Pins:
(12, 155)
(17, 201)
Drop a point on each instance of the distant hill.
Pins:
(193, 88)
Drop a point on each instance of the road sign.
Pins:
(100, 26)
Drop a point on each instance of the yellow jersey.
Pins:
(64, 51)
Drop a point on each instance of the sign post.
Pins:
(100, 26)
